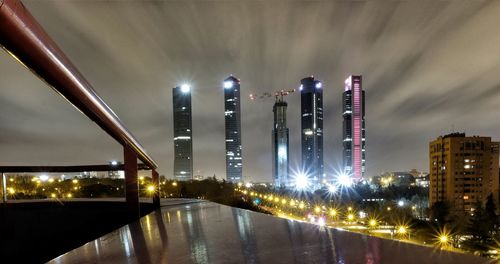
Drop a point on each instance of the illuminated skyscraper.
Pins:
(233, 129)
(280, 144)
(312, 128)
(354, 127)
(183, 141)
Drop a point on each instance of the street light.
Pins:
(301, 181)
(333, 212)
(350, 217)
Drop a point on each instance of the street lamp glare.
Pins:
(344, 180)
(301, 181)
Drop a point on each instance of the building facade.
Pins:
(354, 139)
(280, 137)
(232, 114)
(463, 170)
(311, 93)
(183, 139)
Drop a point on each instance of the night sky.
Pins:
(429, 67)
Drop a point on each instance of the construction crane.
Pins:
(277, 95)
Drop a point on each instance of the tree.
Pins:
(440, 212)
(491, 216)
(478, 229)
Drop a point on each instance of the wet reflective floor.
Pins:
(188, 231)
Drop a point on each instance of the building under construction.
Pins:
(280, 138)
(280, 144)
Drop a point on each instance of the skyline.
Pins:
(403, 77)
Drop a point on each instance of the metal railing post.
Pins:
(156, 184)
(131, 183)
(4, 188)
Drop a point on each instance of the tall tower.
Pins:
(280, 144)
(312, 128)
(232, 113)
(183, 140)
(354, 127)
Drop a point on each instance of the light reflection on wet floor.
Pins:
(205, 232)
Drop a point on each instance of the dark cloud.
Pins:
(428, 66)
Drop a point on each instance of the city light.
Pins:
(319, 85)
(301, 181)
(372, 222)
(333, 212)
(442, 238)
(344, 180)
(151, 188)
(317, 209)
(402, 230)
(12, 191)
(401, 203)
(350, 217)
(185, 88)
(332, 189)
(174, 184)
(114, 163)
(321, 221)
(75, 181)
(362, 215)
(228, 84)
(43, 177)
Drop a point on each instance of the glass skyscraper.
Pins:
(354, 127)
(311, 92)
(183, 140)
(232, 113)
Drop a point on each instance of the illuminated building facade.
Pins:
(280, 144)
(311, 93)
(233, 129)
(354, 140)
(183, 140)
(463, 170)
